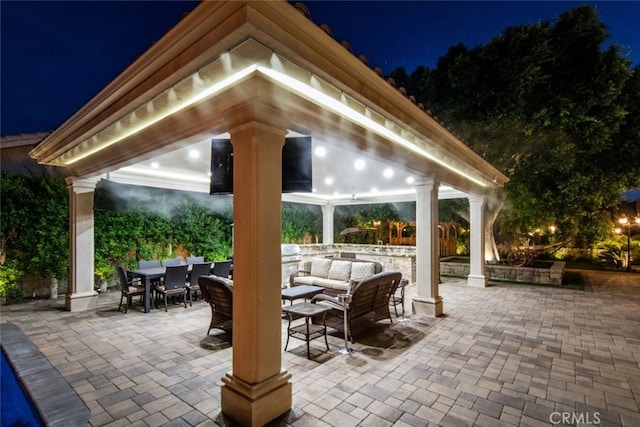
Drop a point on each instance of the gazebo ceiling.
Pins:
(153, 124)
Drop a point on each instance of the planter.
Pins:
(53, 288)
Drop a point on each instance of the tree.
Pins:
(555, 111)
(200, 231)
(298, 221)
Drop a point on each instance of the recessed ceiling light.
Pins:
(410, 180)
(374, 190)
(328, 181)
(320, 151)
(155, 165)
(359, 164)
(388, 173)
(194, 154)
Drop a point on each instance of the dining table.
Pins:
(146, 276)
(149, 275)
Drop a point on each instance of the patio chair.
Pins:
(193, 287)
(218, 293)
(128, 288)
(369, 304)
(195, 260)
(222, 268)
(148, 264)
(175, 284)
(171, 262)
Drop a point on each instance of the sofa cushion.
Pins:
(332, 284)
(304, 280)
(340, 270)
(360, 270)
(320, 267)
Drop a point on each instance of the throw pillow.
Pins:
(360, 270)
(320, 267)
(340, 270)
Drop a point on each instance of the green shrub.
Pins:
(10, 273)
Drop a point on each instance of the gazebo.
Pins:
(255, 73)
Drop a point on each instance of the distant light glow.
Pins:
(359, 164)
(320, 151)
(155, 165)
(410, 180)
(328, 180)
(194, 154)
(388, 173)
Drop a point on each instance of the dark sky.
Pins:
(55, 55)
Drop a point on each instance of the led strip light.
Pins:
(300, 88)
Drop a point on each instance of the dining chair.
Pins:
(128, 288)
(148, 264)
(195, 260)
(175, 283)
(171, 262)
(197, 270)
(222, 268)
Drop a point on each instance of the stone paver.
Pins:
(505, 355)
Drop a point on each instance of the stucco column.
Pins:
(257, 390)
(427, 300)
(477, 276)
(81, 295)
(327, 224)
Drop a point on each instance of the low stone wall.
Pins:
(551, 276)
(403, 259)
(393, 258)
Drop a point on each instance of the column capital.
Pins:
(254, 113)
(82, 184)
(328, 208)
(427, 180)
(476, 198)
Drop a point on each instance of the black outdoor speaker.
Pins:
(297, 171)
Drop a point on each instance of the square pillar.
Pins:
(427, 300)
(477, 269)
(257, 390)
(81, 295)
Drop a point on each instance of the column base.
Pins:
(256, 404)
(81, 301)
(429, 307)
(477, 281)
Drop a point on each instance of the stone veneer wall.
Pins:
(552, 275)
(403, 259)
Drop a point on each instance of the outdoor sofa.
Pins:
(334, 274)
(369, 304)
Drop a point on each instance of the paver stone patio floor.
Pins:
(505, 355)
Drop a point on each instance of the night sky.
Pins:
(55, 55)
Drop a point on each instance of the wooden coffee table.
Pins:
(306, 331)
(302, 291)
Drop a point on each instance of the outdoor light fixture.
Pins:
(625, 222)
(320, 151)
